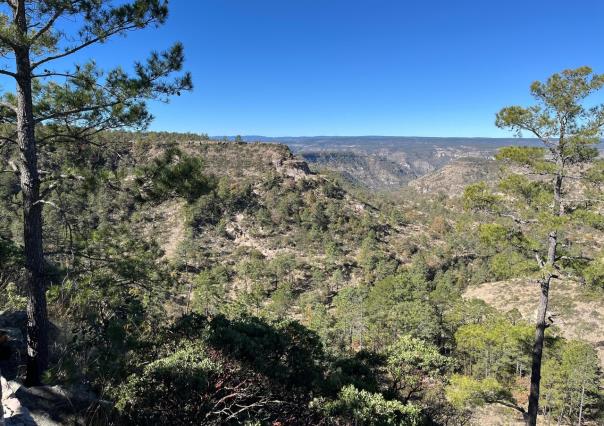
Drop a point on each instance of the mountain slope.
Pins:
(389, 163)
(455, 176)
(575, 313)
(270, 211)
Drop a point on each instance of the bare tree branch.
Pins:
(5, 72)
(517, 219)
(539, 259)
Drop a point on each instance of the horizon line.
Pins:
(365, 136)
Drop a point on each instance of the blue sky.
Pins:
(363, 67)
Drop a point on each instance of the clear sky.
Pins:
(363, 67)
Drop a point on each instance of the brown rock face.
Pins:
(297, 169)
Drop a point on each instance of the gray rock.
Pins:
(15, 414)
(54, 405)
(12, 351)
(297, 169)
(13, 319)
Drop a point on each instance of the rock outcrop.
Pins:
(15, 414)
(294, 168)
(12, 349)
(41, 405)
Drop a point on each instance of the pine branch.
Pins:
(90, 42)
(62, 114)
(5, 72)
(8, 106)
(6, 140)
(48, 25)
(580, 257)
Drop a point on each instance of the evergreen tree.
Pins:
(210, 289)
(51, 106)
(537, 207)
(571, 382)
(410, 362)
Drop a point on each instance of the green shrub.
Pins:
(173, 389)
(355, 406)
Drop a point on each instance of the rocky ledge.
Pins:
(40, 405)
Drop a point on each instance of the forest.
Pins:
(171, 278)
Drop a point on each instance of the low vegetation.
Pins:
(306, 302)
(183, 280)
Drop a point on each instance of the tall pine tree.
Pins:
(550, 189)
(51, 105)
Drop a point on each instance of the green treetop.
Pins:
(549, 189)
(53, 105)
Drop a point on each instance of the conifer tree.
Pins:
(550, 188)
(51, 105)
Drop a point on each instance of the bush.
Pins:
(355, 406)
(157, 395)
(225, 372)
(465, 391)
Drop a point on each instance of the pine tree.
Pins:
(536, 204)
(54, 106)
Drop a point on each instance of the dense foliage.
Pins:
(196, 281)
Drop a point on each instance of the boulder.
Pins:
(12, 350)
(15, 414)
(55, 405)
(13, 319)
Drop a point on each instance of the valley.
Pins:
(152, 274)
(236, 228)
(389, 163)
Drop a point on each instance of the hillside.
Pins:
(281, 211)
(244, 231)
(246, 246)
(575, 313)
(452, 178)
(388, 163)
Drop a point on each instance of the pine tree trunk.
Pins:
(37, 323)
(533, 407)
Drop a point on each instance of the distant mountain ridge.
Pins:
(389, 162)
(374, 142)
